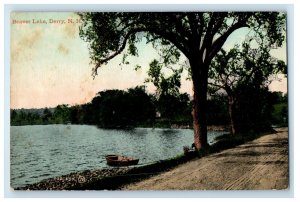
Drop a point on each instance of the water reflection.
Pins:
(169, 131)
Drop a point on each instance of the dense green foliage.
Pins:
(280, 109)
(23, 118)
(253, 109)
(171, 104)
(217, 110)
(114, 109)
(172, 33)
(136, 108)
(244, 73)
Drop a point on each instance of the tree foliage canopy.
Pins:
(244, 64)
(204, 33)
(243, 73)
(164, 84)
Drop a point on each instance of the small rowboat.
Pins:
(116, 160)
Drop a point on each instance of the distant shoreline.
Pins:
(220, 128)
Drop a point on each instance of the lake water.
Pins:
(41, 152)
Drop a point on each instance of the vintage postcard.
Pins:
(148, 101)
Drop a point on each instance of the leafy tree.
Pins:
(164, 85)
(118, 108)
(198, 36)
(89, 113)
(170, 102)
(280, 112)
(61, 114)
(77, 114)
(25, 118)
(141, 107)
(111, 111)
(13, 117)
(234, 70)
(217, 109)
(47, 116)
(253, 108)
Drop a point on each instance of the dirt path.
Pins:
(260, 164)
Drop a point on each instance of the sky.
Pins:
(50, 63)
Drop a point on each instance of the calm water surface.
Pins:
(41, 152)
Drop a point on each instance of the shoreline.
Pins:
(115, 178)
(76, 179)
(103, 179)
(219, 128)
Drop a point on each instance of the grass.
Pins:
(227, 141)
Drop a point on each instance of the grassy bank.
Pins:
(228, 141)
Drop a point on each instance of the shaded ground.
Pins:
(259, 164)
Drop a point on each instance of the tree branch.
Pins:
(216, 85)
(167, 35)
(105, 60)
(216, 46)
(181, 31)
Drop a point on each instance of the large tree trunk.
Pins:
(199, 77)
(231, 108)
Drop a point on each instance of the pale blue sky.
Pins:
(50, 64)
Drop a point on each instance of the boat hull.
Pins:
(116, 160)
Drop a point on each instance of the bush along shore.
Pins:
(118, 177)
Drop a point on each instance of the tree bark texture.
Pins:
(199, 76)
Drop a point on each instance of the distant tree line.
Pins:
(136, 108)
(114, 109)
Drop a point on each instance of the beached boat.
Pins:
(117, 160)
